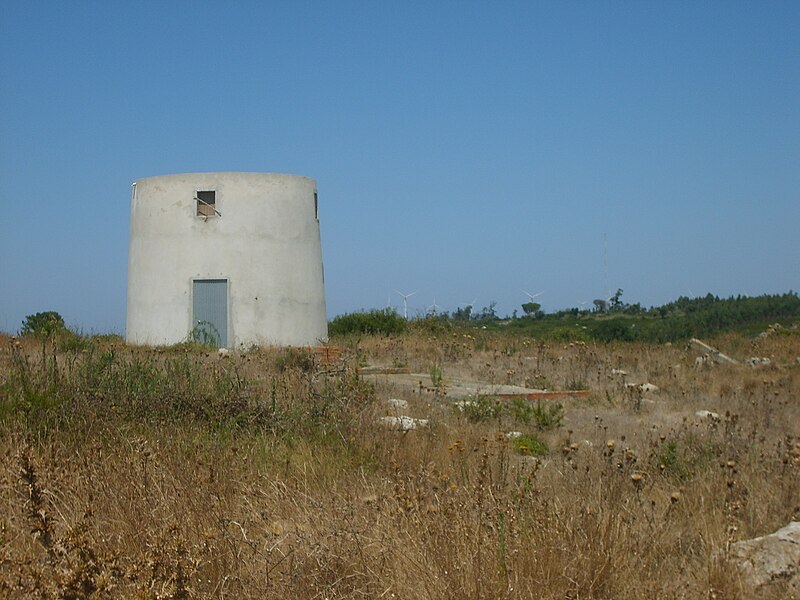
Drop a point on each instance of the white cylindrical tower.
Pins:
(233, 259)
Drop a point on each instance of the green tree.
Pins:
(43, 324)
(532, 309)
(463, 314)
(616, 303)
(488, 313)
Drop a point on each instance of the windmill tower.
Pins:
(231, 259)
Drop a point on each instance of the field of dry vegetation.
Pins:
(179, 473)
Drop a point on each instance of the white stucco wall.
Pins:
(266, 244)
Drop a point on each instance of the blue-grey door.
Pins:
(210, 311)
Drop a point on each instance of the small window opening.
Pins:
(316, 207)
(206, 204)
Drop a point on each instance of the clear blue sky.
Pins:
(461, 149)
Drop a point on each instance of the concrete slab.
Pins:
(457, 388)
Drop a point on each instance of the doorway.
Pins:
(210, 312)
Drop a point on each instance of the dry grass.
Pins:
(176, 473)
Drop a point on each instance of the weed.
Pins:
(481, 408)
(521, 410)
(530, 445)
(437, 377)
(206, 334)
(669, 461)
(548, 415)
(296, 358)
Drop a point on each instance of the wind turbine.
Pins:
(405, 302)
(532, 296)
(432, 308)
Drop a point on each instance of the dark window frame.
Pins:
(206, 203)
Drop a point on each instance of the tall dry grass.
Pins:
(177, 473)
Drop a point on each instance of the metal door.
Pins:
(210, 311)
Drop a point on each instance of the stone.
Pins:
(707, 414)
(703, 361)
(397, 403)
(757, 361)
(403, 423)
(770, 558)
(513, 434)
(715, 354)
(642, 387)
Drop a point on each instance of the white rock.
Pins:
(703, 361)
(513, 434)
(223, 352)
(403, 423)
(756, 361)
(642, 387)
(770, 558)
(397, 403)
(707, 414)
(715, 354)
(619, 372)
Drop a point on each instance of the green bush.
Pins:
(379, 321)
(432, 325)
(481, 409)
(530, 445)
(43, 324)
(614, 330)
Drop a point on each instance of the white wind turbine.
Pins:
(532, 296)
(432, 309)
(405, 302)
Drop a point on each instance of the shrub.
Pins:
(530, 445)
(614, 330)
(481, 408)
(432, 325)
(43, 324)
(379, 321)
